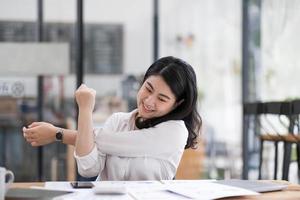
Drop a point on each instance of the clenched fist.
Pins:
(85, 98)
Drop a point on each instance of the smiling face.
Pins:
(155, 98)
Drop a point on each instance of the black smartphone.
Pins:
(82, 184)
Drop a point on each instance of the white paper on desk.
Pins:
(129, 184)
(150, 190)
(83, 193)
(89, 195)
(157, 194)
(143, 190)
(187, 181)
(208, 190)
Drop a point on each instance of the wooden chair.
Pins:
(290, 110)
(264, 109)
(292, 138)
(191, 164)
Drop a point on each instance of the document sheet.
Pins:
(158, 190)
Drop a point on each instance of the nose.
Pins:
(150, 102)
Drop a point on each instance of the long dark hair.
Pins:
(181, 79)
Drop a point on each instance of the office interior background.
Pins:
(119, 44)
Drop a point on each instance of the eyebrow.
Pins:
(163, 95)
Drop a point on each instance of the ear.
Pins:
(178, 103)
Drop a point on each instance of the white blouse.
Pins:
(123, 153)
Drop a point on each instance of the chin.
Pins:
(145, 115)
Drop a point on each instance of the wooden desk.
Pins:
(292, 192)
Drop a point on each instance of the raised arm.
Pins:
(90, 162)
(85, 98)
(43, 133)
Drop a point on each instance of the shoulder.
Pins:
(173, 123)
(120, 116)
(118, 121)
(173, 126)
(173, 132)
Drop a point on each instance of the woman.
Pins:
(145, 144)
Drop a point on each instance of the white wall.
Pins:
(280, 50)
(18, 10)
(215, 53)
(135, 15)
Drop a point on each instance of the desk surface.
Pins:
(292, 192)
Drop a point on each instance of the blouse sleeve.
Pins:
(161, 141)
(93, 163)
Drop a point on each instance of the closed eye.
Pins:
(161, 99)
(148, 89)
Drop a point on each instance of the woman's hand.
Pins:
(39, 133)
(85, 98)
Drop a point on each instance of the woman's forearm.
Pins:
(43, 133)
(69, 136)
(85, 139)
